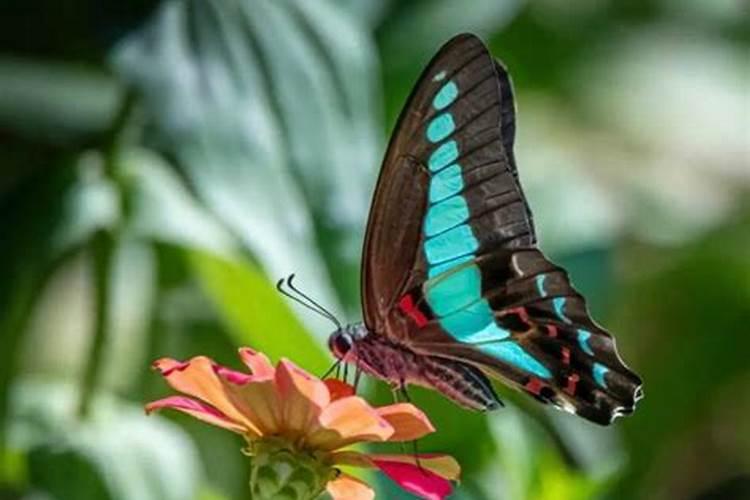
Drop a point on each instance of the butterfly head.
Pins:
(342, 340)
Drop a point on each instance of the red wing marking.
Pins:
(573, 379)
(520, 312)
(552, 331)
(565, 352)
(534, 386)
(406, 304)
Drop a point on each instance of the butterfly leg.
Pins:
(401, 389)
(357, 377)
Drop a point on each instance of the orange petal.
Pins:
(260, 401)
(443, 465)
(346, 487)
(199, 410)
(346, 421)
(199, 379)
(257, 362)
(301, 395)
(409, 422)
(338, 389)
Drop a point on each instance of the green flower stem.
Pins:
(280, 472)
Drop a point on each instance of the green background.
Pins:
(162, 164)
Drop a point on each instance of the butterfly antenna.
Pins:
(312, 301)
(308, 303)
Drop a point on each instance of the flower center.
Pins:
(281, 471)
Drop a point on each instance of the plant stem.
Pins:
(102, 245)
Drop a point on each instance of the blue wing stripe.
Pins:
(445, 96)
(456, 298)
(444, 155)
(446, 183)
(453, 243)
(455, 291)
(599, 370)
(540, 285)
(583, 341)
(446, 215)
(559, 304)
(440, 127)
(515, 355)
(445, 266)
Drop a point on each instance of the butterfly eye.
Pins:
(340, 343)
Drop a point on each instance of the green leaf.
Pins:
(55, 102)
(162, 208)
(267, 109)
(66, 474)
(683, 316)
(418, 28)
(255, 312)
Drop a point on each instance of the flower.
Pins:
(296, 427)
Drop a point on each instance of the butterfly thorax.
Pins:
(398, 365)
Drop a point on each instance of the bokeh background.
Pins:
(162, 164)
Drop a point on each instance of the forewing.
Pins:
(450, 159)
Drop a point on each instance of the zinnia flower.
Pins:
(296, 427)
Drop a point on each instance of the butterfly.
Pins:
(454, 287)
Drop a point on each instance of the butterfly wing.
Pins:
(461, 94)
(450, 265)
(541, 338)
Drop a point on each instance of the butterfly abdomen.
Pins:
(463, 384)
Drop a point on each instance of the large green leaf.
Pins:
(162, 209)
(267, 109)
(254, 311)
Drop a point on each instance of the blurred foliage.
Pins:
(164, 162)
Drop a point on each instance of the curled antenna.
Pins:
(308, 302)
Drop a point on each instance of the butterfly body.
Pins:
(382, 358)
(453, 284)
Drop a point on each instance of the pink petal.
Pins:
(166, 366)
(418, 481)
(257, 362)
(232, 376)
(443, 465)
(197, 409)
